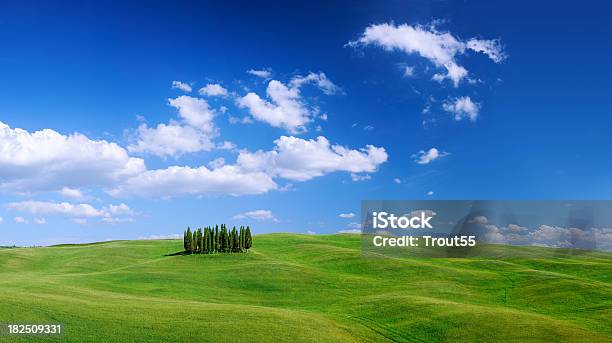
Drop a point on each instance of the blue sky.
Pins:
(524, 114)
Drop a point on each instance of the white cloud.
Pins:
(482, 220)
(286, 108)
(20, 220)
(352, 231)
(347, 215)
(254, 172)
(195, 112)
(80, 221)
(359, 177)
(182, 86)
(430, 155)
(354, 225)
(397, 180)
(462, 107)
(408, 71)
(157, 237)
(174, 139)
(491, 47)
(176, 180)
(216, 163)
(213, 89)
(320, 80)
(170, 140)
(107, 213)
(226, 145)
(310, 232)
(299, 159)
(72, 193)
(40, 221)
(47, 160)
(243, 120)
(440, 48)
(256, 215)
(1, 220)
(430, 193)
(263, 73)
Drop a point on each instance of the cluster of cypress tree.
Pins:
(218, 239)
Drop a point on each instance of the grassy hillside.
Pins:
(301, 288)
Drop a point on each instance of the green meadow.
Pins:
(300, 288)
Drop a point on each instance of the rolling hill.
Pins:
(300, 288)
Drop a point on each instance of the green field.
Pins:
(299, 288)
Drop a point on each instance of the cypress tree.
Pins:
(248, 239)
(188, 240)
(223, 239)
(211, 247)
(199, 241)
(208, 245)
(241, 238)
(235, 241)
(216, 238)
(185, 240)
(230, 241)
(193, 241)
(203, 247)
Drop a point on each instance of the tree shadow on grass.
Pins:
(180, 253)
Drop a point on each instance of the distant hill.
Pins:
(303, 288)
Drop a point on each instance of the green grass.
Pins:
(298, 288)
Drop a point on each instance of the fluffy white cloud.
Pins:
(213, 89)
(47, 160)
(319, 79)
(347, 215)
(430, 193)
(70, 210)
(440, 48)
(19, 220)
(195, 112)
(545, 235)
(462, 107)
(72, 193)
(256, 215)
(173, 139)
(40, 221)
(182, 86)
(216, 163)
(397, 180)
(425, 157)
(1, 220)
(299, 159)
(254, 172)
(175, 181)
(286, 108)
(226, 145)
(263, 73)
(194, 134)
